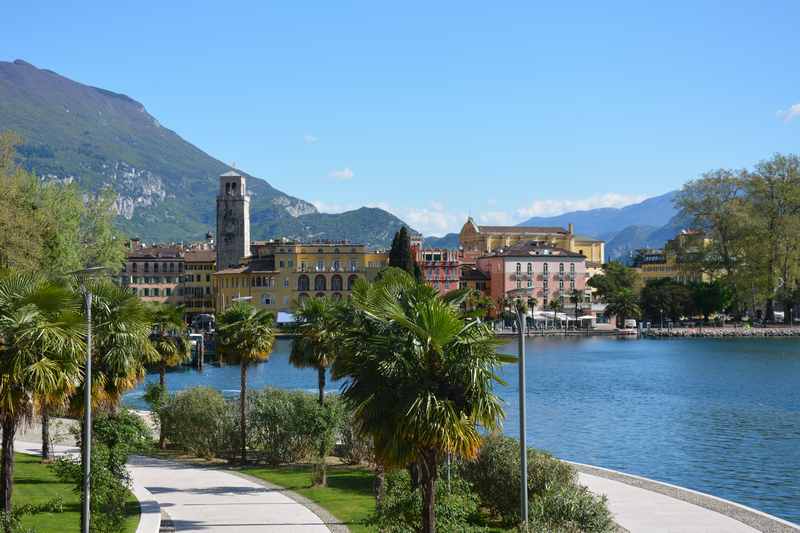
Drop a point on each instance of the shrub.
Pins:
(124, 431)
(289, 426)
(200, 421)
(495, 476)
(355, 447)
(457, 509)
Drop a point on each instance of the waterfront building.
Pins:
(282, 272)
(196, 283)
(545, 272)
(477, 241)
(441, 267)
(678, 260)
(233, 220)
(471, 277)
(153, 273)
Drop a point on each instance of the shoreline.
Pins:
(718, 332)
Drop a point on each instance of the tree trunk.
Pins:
(7, 466)
(242, 418)
(162, 374)
(321, 383)
(379, 485)
(46, 455)
(429, 475)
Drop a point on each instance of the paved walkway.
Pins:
(640, 510)
(210, 500)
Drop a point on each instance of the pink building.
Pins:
(441, 268)
(545, 272)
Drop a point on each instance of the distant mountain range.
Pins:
(647, 224)
(166, 186)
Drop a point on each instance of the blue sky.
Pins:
(437, 110)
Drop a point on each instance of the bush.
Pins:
(290, 426)
(457, 509)
(124, 431)
(200, 421)
(355, 448)
(495, 476)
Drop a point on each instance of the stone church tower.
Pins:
(233, 220)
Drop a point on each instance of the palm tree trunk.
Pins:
(7, 466)
(321, 384)
(429, 475)
(242, 418)
(380, 485)
(45, 434)
(162, 374)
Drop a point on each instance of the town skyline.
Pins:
(511, 97)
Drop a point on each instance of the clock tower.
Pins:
(233, 220)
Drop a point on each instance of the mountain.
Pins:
(368, 225)
(166, 186)
(607, 221)
(447, 241)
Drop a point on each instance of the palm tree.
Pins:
(317, 338)
(555, 306)
(121, 348)
(172, 347)
(244, 335)
(419, 377)
(41, 344)
(623, 305)
(576, 297)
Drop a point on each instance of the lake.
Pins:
(720, 416)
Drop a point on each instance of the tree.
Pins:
(40, 354)
(623, 305)
(576, 298)
(318, 339)
(555, 306)
(419, 377)
(616, 277)
(668, 297)
(169, 342)
(245, 335)
(709, 298)
(401, 255)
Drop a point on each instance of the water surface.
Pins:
(717, 415)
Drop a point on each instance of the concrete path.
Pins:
(640, 510)
(209, 500)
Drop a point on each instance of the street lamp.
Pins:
(86, 452)
(515, 298)
(662, 318)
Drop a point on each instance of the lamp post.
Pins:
(86, 451)
(519, 310)
(662, 318)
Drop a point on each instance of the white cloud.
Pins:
(343, 174)
(310, 139)
(495, 218)
(544, 208)
(789, 114)
(325, 207)
(433, 220)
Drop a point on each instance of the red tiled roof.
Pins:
(522, 229)
(200, 256)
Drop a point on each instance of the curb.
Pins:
(747, 515)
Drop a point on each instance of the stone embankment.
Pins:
(724, 332)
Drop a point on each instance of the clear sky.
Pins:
(437, 110)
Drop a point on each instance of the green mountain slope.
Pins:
(166, 185)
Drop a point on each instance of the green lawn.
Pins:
(35, 483)
(348, 495)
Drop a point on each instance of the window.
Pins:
(530, 283)
(147, 267)
(302, 283)
(258, 282)
(302, 266)
(561, 267)
(320, 283)
(572, 267)
(266, 299)
(208, 278)
(172, 267)
(134, 267)
(519, 268)
(336, 265)
(147, 293)
(519, 284)
(285, 283)
(320, 265)
(530, 268)
(336, 283)
(168, 291)
(156, 292)
(350, 282)
(291, 263)
(281, 263)
(545, 268)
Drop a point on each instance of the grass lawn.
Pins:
(348, 495)
(35, 483)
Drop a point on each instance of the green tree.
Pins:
(419, 377)
(709, 298)
(245, 335)
(672, 298)
(615, 278)
(318, 339)
(40, 346)
(170, 343)
(623, 305)
(576, 298)
(401, 255)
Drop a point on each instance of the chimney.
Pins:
(570, 228)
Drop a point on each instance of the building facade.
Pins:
(196, 283)
(233, 220)
(677, 260)
(477, 241)
(281, 273)
(441, 267)
(153, 273)
(543, 272)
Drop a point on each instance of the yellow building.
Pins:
(675, 260)
(477, 241)
(196, 282)
(280, 273)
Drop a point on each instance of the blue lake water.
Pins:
(719, 416)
